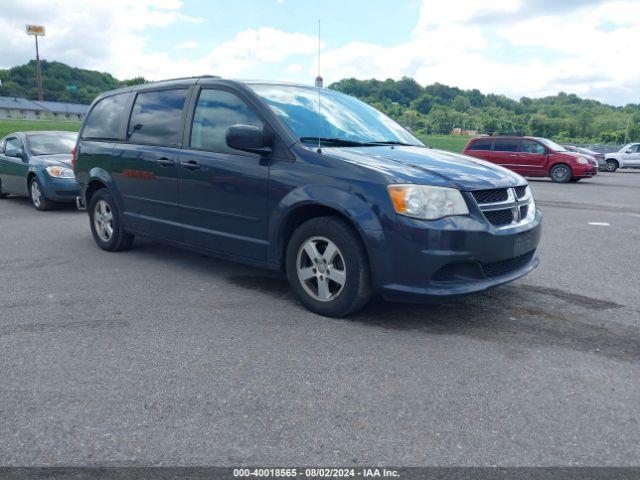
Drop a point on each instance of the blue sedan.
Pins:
(38, 165)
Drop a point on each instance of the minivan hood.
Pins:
(59, 160)
(434, 167)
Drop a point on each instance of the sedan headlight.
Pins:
(60, 172)
(582, 160)
(427, 203)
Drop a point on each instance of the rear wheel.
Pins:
(560, 173)
(36, 194)
(612, 165)
(327, 267)
(106, 226)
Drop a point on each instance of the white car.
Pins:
(627, 157)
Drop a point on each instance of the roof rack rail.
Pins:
(184, 78)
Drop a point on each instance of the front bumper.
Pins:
(585, 171)
(453, 256)
(60, 189)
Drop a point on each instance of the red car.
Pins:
(533, 157)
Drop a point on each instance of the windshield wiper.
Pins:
(393, 142)
(334, 141)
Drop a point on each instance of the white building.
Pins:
(23, 109)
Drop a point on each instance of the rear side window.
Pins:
(216, 111)
(505, 145)
(106, 117)
(481, 145)
(529, 146)
(156, 118)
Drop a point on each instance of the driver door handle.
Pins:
(165, 162)
(190, 164)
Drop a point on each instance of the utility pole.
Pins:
(37, 31)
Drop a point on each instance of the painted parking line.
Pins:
(600, 224)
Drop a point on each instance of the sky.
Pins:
(513, 47)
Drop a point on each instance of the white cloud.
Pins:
(187, 45)
(515, 47)
(253, 47)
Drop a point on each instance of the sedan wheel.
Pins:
(36, 194)
(37, 197)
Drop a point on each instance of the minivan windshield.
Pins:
(51, 143)
(552, 145)
(341, 120)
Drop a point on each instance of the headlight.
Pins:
(60, 172)
(582, 160)
(427, 203)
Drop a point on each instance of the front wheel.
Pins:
(327, 267)
(612, 166)
(560, 173)
(106, 225)
(38, 200)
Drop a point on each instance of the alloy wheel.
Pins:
(321, 269)
(36, 194)
(561, 174)
(103, 220)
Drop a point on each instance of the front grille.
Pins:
(491, 196)
(521, 191)
(499, 217)
(504, 267)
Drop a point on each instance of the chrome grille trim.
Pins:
(517, 197)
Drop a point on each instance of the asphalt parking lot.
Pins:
(158, 356)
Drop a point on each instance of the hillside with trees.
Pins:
(434, 109)
(438, 109)
(61, 82)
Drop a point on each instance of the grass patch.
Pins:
(10, 126)
(452, 143)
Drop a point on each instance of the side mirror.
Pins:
(15, 153)
(249, 138)
(629, 151)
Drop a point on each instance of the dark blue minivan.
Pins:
(303, 180)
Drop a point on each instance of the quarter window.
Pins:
(216, 111)
(529, 146)
(481, 145)
(105, 118)
(156, 118)
(505, 145)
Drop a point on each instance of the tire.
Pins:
(612, 165)
(322, 292)
(560, 173)
(36, 195)
(106, 226)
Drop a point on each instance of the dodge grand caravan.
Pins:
(533, 157)
(341, 198)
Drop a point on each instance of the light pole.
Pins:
(37, 31)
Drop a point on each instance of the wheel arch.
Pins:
(310, 202)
